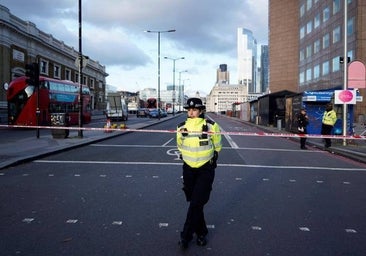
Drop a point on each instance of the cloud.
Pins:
(113, 33)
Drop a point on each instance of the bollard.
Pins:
(279, 124)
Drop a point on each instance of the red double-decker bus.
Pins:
(54, 96)
(151, 103)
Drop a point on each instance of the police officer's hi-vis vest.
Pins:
(196, 146)
(329, 117)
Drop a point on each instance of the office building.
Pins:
(306, 44)
(247, 59)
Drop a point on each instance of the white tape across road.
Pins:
(258, 134)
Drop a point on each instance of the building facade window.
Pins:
(92, 82)
(302, 10)
(302, 55)
(85, 80)
(316, 46)
(336, 35)
(308, 75)
(43, 67)
(317, 21)
(57, 71)
(309, 27)
(325, 41)
(302, 32)
(336, 6)
(68, 74)
(350, 26)
(325, 68)
(326, 14)
(316, 71)
(335, 64)
(309, 4)
(302, 77)
(308, 51)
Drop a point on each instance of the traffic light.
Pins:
(32, 72)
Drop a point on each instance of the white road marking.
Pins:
(28, 220)
(220, 165)
(163, 225)
(306, 229)
(229, 139)
(71, 221)
(350, 230)
(209, 226)
(166, 143)
(256, 228)
(234, 146)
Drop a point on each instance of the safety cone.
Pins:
(108, 126)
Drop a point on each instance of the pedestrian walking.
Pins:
(328, 121)
(199, 143)
(302, 123)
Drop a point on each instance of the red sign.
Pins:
(356, 75)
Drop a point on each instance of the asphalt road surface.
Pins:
(123, 196)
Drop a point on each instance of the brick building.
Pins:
(306, 42)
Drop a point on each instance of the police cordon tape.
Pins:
(259, 134)
(264, 134)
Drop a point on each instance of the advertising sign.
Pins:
(345, 97)
(324, 96)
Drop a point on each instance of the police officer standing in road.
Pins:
(302, 123)
(199, 143)
(328, 121)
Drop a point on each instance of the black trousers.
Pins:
(197, 188)
(303, 139)
(327, 130)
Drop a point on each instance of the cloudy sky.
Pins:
(113, 34)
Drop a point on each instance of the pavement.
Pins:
(15, 149)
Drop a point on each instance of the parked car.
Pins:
(154, 113)
(163, 113)
(142, 112)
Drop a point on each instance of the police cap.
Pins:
(194, 103)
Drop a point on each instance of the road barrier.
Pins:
(258, 134)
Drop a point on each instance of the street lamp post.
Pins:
(183, 99)
(174, 60)
(159, 32)
(345, 61)
(181, 93)
(80, 131)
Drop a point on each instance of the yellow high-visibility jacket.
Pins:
(329, 117)
(196, 146)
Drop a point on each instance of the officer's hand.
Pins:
(216, 155)
(184, 131)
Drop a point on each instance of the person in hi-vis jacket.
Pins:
(199, 143)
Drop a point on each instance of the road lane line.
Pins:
(220, 165)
